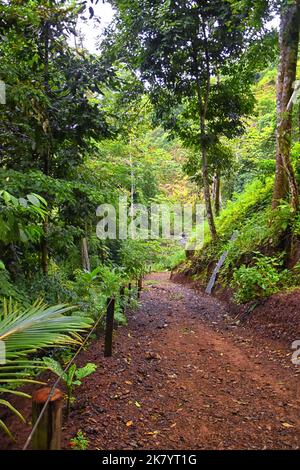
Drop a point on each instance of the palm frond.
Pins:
(26, 330)
(39, 326)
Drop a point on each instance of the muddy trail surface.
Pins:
(182, 377)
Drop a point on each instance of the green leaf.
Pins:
(54, 366)
(12, 408)
(33, 199)
(6, 430)
(23, 202)
(85, 371)
(23, 236)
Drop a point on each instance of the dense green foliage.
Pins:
(263, 259)
(74, 134)
(260, 261)
(178, 106)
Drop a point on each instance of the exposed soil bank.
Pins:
(277, 317)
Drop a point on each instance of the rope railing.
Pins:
(53, 442)
(53, 388)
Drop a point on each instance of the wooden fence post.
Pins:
(110, 312)
(48, 432)
(140, 286)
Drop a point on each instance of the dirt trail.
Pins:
(181, 379)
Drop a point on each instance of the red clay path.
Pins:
(183, 377)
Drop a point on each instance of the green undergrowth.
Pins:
(171, 255)
(256, 265)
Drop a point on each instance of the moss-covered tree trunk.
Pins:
(285, 180)
(207, 196)
(217, 192)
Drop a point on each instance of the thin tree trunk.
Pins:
(217, 193)
(281, 186)
(45, 248)
(202, 107)
(48, 150)
(207, 197)
(85, 255)
(288, 43)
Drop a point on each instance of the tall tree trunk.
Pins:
(207, 196)
(217, 193)
(202, 108)
(288, 42)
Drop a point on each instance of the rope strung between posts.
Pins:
(59, 379)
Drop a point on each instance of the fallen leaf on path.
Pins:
(138, 405)
(287, 425)
(240, 402)
(151, 355)
(129, 423)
